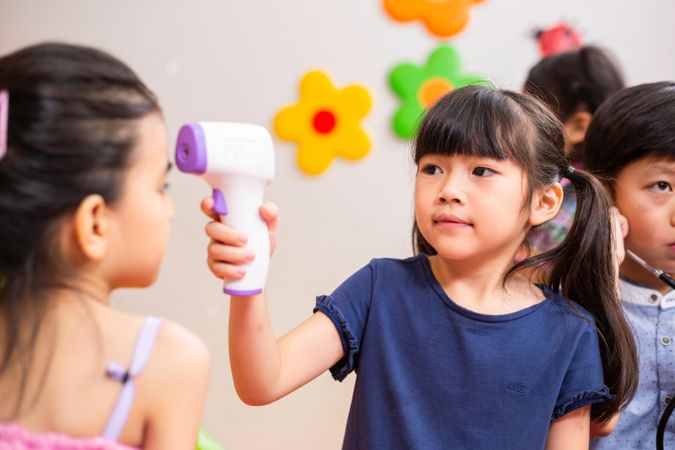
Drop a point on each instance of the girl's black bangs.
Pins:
(481, 123)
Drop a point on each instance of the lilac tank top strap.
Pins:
(142, 352)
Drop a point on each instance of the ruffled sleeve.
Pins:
(347, 307)
(582, 399)
(583, 383)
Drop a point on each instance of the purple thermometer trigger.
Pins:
(219, 205)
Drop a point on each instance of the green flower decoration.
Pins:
(420, 87)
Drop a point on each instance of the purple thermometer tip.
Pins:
(191, 149)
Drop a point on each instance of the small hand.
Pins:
(226, 250)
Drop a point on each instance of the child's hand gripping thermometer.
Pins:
(237, 160)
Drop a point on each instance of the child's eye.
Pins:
(661, 186)
(483, 172)
(431, 169)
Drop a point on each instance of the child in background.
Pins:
(573, 84)
(631, 144)
(456, 347)
(84, 212)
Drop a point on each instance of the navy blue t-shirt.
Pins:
(435, 375)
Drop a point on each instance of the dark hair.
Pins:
(576, 80)
(632, 124)
(71, 131)
(503, 125)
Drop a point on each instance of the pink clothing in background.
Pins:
(13, 437)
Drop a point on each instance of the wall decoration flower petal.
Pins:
(325, 123)
(442, 18)
(419, 87)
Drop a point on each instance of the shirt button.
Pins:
(665, 340)
(667, 400)
(653, 298)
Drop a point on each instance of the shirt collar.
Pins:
(638, 294)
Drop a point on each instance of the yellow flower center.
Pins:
(433, 89)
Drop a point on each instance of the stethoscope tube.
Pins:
(661, 429)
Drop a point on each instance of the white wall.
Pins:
(241, 61)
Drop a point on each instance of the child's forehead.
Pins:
(463, 155)
(658, 163)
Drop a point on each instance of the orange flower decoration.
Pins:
(443, 18)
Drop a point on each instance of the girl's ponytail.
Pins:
(583, 268)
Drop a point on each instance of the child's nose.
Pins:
(453, 189)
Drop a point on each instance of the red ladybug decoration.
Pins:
(557, 39)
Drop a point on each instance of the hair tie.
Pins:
(569, 171)
(4, 116)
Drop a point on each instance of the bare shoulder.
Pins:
(175, 386)
(174, 345)
(179, 351)
(178, 355)
(180, 366)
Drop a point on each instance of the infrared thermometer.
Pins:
(237, 161)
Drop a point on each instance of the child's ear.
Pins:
(91, 227)
(576, 126)
(546, 203)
